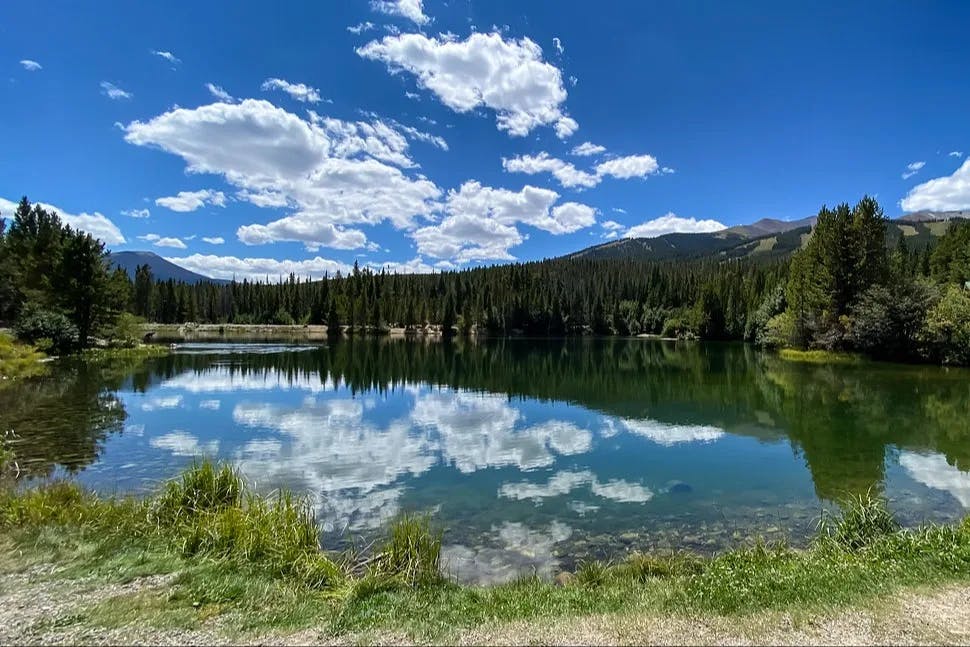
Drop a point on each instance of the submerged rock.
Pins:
(679, 487)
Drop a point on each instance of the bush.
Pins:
(48, 330)
(778, 331)
(126, 331)
(947, 328)
(887, 320)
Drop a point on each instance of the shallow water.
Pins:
(531, 454)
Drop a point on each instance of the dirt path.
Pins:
(35, 609)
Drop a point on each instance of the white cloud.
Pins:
(136, 213)
(298, 91)
(182, 443)
(160, 241)
(569, 176)
(672, 223)
(588, 148)
(565, 127)
(481, 220)
(187, 201)
(668, 434)
(563, 483)
(96, 224)
(330, 171)
(627, 167)
(413, 10)
(912, 169)
(112, 91)
(258, 269)
(212, 405)
(162, 402)
(215, 240)
(948, 193)
(484, 70)
(31, 66)
(558, 45)
(955, 153)
(361, 27)
(168, 56)
(305, 228)
(933, 471)
(611, 225)
(519, 551)
(219, 93)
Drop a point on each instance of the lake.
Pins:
(531, 455)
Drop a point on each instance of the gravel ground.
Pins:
(38, 609)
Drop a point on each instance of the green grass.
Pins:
(18, 361)
(135, 352)
(256, 563)
(818, 356)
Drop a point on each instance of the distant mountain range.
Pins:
(162, 270)
(765, 239)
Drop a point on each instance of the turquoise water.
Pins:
(531, 455)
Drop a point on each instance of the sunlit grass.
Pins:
(18, 361)
(257, 562)
(818, 356)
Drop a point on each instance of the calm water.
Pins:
(530, 454)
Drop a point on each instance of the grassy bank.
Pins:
(139, 351)
(255, 564)
(818, 356)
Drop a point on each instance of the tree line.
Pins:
(845, 290)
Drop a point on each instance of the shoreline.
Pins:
(207, 557)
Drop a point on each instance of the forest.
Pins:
(846, 290)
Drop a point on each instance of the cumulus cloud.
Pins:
(163, 241)
(31, 66)
(182, 443)
(413, 10)
(168, 56)
(481, 220)
(214, 240)
(331, 172)
(933, 471)
(628, 166)
(219, 93)
(912, 169)
(298, 91)
(569, 176)
(563, 483)
(484, 70)
(136, 213)
(257, 269)
(669, 434)
(187, 201)
(948, 193)
(672, 223)
(112, 91)
(587, 149)
(95, 224)
(305, 228)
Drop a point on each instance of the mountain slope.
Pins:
(743, 241)
(162, 270)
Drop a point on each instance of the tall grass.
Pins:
(18, 361)
(236, 548)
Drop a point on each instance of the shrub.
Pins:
(947, 328)
(36, 324)
(126, 331)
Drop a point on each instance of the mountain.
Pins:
(765, 239)
(767, 226)
(929, 216)
(161, 269)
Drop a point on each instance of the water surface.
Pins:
(531, 454)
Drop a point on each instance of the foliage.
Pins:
(950, 261)
(948, 327)
(126, 331)
(53, 269)
(887, 319)
(18, 361)
(49, 330)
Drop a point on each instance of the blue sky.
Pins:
(242, 138)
